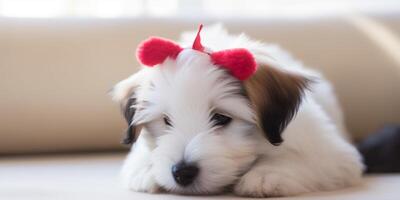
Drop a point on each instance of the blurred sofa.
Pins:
(55, 75)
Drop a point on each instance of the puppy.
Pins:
(236, 114)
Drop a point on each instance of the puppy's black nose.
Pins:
(184, 174)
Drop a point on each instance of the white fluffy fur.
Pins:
(314, 156)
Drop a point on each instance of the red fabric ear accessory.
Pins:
(239, 62)
(155, 50)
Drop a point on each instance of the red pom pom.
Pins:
(240, 62)
(155, 50)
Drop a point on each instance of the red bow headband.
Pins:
(239, 62)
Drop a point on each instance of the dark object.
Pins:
(381, 150)
(184, 174)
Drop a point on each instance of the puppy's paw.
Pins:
(143, 182)
(266, 183)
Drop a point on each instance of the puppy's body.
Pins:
(313, 156)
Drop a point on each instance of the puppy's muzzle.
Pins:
(184, 174)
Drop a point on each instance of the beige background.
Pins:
(55, 73)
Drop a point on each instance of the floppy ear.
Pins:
(133, 131)
(276, 96)
(124, 94)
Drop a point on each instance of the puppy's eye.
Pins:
(167, 121)
(220, 119)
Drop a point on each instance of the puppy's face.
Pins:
(204, 123)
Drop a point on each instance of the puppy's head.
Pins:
(206, 122)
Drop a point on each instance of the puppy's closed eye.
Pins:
(167, 121)
(220, 120)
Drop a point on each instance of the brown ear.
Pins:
(276, 96)
(132, 132)
(123, 93)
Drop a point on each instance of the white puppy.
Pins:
(201, 129)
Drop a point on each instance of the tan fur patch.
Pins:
(275, 95)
